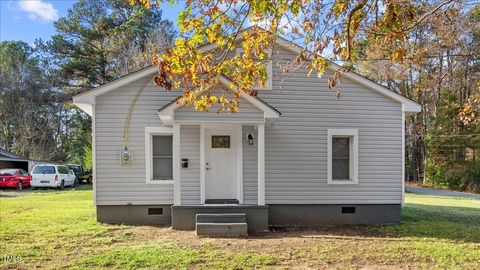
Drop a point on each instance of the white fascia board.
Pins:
(87, 108)
(166, 118)
(167, 114)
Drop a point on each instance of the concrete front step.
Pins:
(222, 229)
(221, 218)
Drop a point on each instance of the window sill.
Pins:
(342, 182)
(160, 182)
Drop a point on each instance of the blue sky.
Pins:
(28, 20)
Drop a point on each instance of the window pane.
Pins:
(341, 169)
(44, 170)
(162, 168)
(8, 171)
(62, 169)
(162, 146)
(341, 158)
(341, 147)
(162, 160)
(220, 141)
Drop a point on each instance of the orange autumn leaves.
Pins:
(242, 56)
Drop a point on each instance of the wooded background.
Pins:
(99, 41)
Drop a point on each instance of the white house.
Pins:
(294, 155)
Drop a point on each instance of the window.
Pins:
(75, 169)
(162, 157)
(44, 170)
(159, 155)
(8, 171)
(63, 170)
(220, 141)
(342, 156)
(23, 173)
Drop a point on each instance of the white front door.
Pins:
(221, 162)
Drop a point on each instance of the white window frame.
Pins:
(149, 133)
(343, 133)
(269, 67)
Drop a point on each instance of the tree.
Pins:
(31, 104)
(92, 39)
(320, 26)
(97, 42)
(444, 77)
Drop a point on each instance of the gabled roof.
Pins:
(166, 112)
(85, 100)
(7, 155)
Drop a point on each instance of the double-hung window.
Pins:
(159, 155)
(342, 156)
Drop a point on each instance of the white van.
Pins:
(51, 175)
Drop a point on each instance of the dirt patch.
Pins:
(294, 248)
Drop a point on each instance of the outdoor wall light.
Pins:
(250, 139)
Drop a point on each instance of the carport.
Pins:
(11, 160)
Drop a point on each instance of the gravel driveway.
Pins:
(439, 192)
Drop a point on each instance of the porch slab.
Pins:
(184, 216)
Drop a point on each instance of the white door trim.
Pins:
(240, 164)
(177, 195)
(261, 164)
(202, 164)
(239, 146)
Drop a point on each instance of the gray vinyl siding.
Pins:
(117, 184)
(250, 165)
(190, 177)
(248, 113)
(295, 150)
(296, 143)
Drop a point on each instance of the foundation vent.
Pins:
(155, 211)
(348, 210)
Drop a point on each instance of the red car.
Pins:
(14, 178)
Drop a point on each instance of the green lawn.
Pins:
(57, 229)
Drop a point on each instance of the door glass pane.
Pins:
(341, 158)
(220, 141)
(162, 158)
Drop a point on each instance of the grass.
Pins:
(57, 230)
